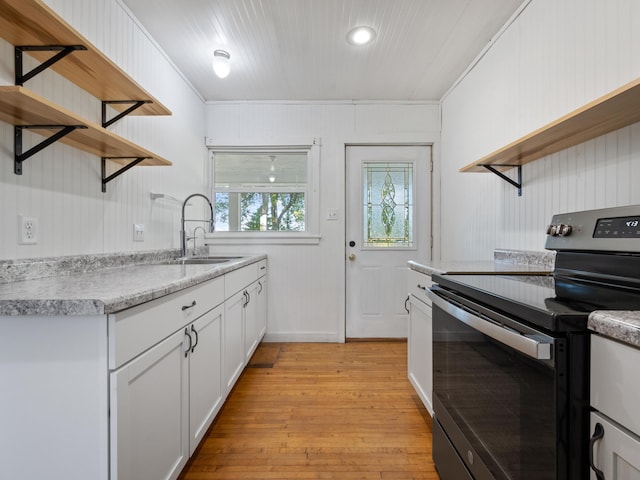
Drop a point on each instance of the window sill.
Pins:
(261, 238)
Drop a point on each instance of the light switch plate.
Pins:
(138, 232)
(332, 214)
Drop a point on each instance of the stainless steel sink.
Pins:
(196, 261)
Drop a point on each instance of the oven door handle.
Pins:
(523, 344)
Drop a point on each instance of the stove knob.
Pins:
(564, 230)
(552, 230)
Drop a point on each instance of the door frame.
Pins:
(343, 331)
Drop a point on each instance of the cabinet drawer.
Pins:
(239, 279)
(262, 268)
(136, 329)
(417, 282)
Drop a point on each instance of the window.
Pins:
(388, 204)
(265, 190)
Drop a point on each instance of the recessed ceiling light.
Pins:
(361, 36)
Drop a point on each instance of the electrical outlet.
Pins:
(138, 232)
(27, 230)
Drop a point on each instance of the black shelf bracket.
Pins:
(19, 156)
(106, 179)
(135, 104)
(517, 184)
(63, 51)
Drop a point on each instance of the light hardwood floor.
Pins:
(320, 411)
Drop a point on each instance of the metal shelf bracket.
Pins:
(135, 104)
(517, 184)
(19, 156)
(106, 179)
(63, 51)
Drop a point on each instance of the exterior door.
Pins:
(387, 224)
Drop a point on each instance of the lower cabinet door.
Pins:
(233, 359)
(252, 320)
(617, 452)
(149, 413)
(205, 382)
(262, 307)
(420, 350)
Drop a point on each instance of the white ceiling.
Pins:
(297, 49)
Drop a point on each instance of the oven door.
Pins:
(496, 394)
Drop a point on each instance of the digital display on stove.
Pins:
(621, 227)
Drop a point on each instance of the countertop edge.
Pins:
(620, 325)
(108, 304)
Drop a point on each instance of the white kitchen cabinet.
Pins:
(245, 321)
(617, 453)
(262, 310)
(149, 413)
(128, 395)
(420, 336)
(233, 339)
(615, 395)
(205, 374)
(163, 401)
(255, 316)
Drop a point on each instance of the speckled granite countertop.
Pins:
(620, 325)
(97, 291)
(505, 261)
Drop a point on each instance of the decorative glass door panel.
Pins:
(388, 204)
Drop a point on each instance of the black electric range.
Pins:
(511, 353)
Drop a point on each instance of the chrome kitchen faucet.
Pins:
(183, 233)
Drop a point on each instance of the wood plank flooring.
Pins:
(320, 411)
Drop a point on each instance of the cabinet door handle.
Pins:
(421, 287)
(186, 352)
(405, 304)
(260, 285)
(246, 299)
(195, 332)
(598, 433)
(187, 307)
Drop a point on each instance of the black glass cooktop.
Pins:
(552, 303)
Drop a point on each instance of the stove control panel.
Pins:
(607, 230)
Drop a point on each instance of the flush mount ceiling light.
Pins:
(361, 36)
(221, 65)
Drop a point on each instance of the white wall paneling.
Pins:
(307, 282)
(555, 57)
(61, 186)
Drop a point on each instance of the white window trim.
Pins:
(312, 233)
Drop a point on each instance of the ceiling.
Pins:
(297, 49)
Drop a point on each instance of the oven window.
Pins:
(503, 402)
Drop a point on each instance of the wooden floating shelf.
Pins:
(21, 107)
(33, 23)
(610, 112)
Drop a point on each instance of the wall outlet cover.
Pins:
(27, 230)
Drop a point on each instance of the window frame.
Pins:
(312, 198)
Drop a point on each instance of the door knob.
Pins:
(352, 257)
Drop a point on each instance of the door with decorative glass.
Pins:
(387, 224)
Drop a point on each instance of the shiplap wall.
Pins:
(307, 282)
(555, 57)
(61, 186)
